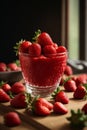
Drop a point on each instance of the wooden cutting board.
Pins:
(51, 122)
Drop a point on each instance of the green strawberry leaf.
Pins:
(37, 33)
(77, 119)
(55, 92)
(1, 83)
(85, 85)
(16, 47)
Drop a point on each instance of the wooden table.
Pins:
(51, 122)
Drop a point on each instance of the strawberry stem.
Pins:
(55, 92)
(16, 48)
(37, 33)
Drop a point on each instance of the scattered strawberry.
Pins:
(12, 119)
(12, 66)
(4, 97)
(3, 67)
(59, 108)
(81, 79)
(34, 49)
(80, 92)
(77, 119)
(19, 101)
(6, 87)
(42, 111)
(42, 107)
(70, 85)
(68, 70)
(60, 96)
(84, 108)
(18, 87)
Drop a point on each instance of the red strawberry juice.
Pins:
(42, 74)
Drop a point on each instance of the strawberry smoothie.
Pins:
(42, 74)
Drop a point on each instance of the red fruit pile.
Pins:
(12, 66)
(41, 106)
(42, 45)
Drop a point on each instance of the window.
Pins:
(74, 28)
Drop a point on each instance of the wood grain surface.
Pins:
(32, 122)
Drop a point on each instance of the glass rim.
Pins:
(45, 55)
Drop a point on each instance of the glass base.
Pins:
(43, 91)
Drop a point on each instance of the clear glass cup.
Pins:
(42, 74)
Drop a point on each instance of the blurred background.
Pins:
(64, 20)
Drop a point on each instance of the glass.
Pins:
(42, 74)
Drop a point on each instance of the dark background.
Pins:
(19, 19)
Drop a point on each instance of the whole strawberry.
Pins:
(68, 70)
(4, 97)
(6, 87)
(80, 92)
(3, 67)
(12, 119)
(61, 49)
(84, 108)
(44, 39)
(81, 79)
(19, 101)
(12, 66)
(59, 108)
(34, 49)
(60, 96)
(42, 107)
(23, 46)
(17, 87)
(49, 50)
(70, 85)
